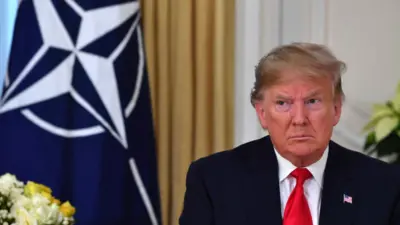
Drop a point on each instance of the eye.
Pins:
(314, 104)
(279, 102)
(312, 101)
(282, 105)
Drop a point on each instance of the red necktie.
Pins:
(297, 211)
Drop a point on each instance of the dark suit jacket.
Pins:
(241, 187)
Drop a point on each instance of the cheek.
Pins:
(322, 119)
(276, 118)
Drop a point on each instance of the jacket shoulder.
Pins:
(365, 163)
(231, 156)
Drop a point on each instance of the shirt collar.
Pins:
(316, 169)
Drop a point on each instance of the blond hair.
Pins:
(313, 60)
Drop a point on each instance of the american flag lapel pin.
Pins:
(347, 199)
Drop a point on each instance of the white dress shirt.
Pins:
(312, 187)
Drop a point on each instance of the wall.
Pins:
(363, 33)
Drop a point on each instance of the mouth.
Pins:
(300, 137)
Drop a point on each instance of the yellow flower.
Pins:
(67, 209)
(33, 188)
(50, 198)
(56, 201)
(47, 195)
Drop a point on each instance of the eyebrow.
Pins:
(281, 96)
(287, 97)
(313, 93)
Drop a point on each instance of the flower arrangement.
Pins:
(31, 204)
(384, 129)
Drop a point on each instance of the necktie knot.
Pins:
(301, 175)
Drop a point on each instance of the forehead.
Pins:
(296, 83)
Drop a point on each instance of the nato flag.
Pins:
(75, 111)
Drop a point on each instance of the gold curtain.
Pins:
(190, 53)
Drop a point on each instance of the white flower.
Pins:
(46, 214)
(23, 201)
(15, 193)
(39, 200)
(23, 217)
(20, 202)
(8, 179)
(38, 207)
(60, 218)
(7, 183)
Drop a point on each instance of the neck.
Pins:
(303, 161)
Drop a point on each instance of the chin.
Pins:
(302, 148)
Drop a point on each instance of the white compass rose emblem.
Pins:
(95, 23)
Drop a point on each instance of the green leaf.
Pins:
(378, 107)
(369, 141)
(379, 111)
(396, 102)
(371, 124)
(398, 133)
(385, 126)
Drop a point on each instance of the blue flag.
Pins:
(75, 110)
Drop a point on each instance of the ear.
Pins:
(261, 114)
(338, 110)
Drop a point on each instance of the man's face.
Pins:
(299, 114)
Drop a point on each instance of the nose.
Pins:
(299, 114)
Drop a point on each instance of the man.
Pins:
(296, 175)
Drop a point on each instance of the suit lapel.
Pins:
(337, 183)
(261, 186)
